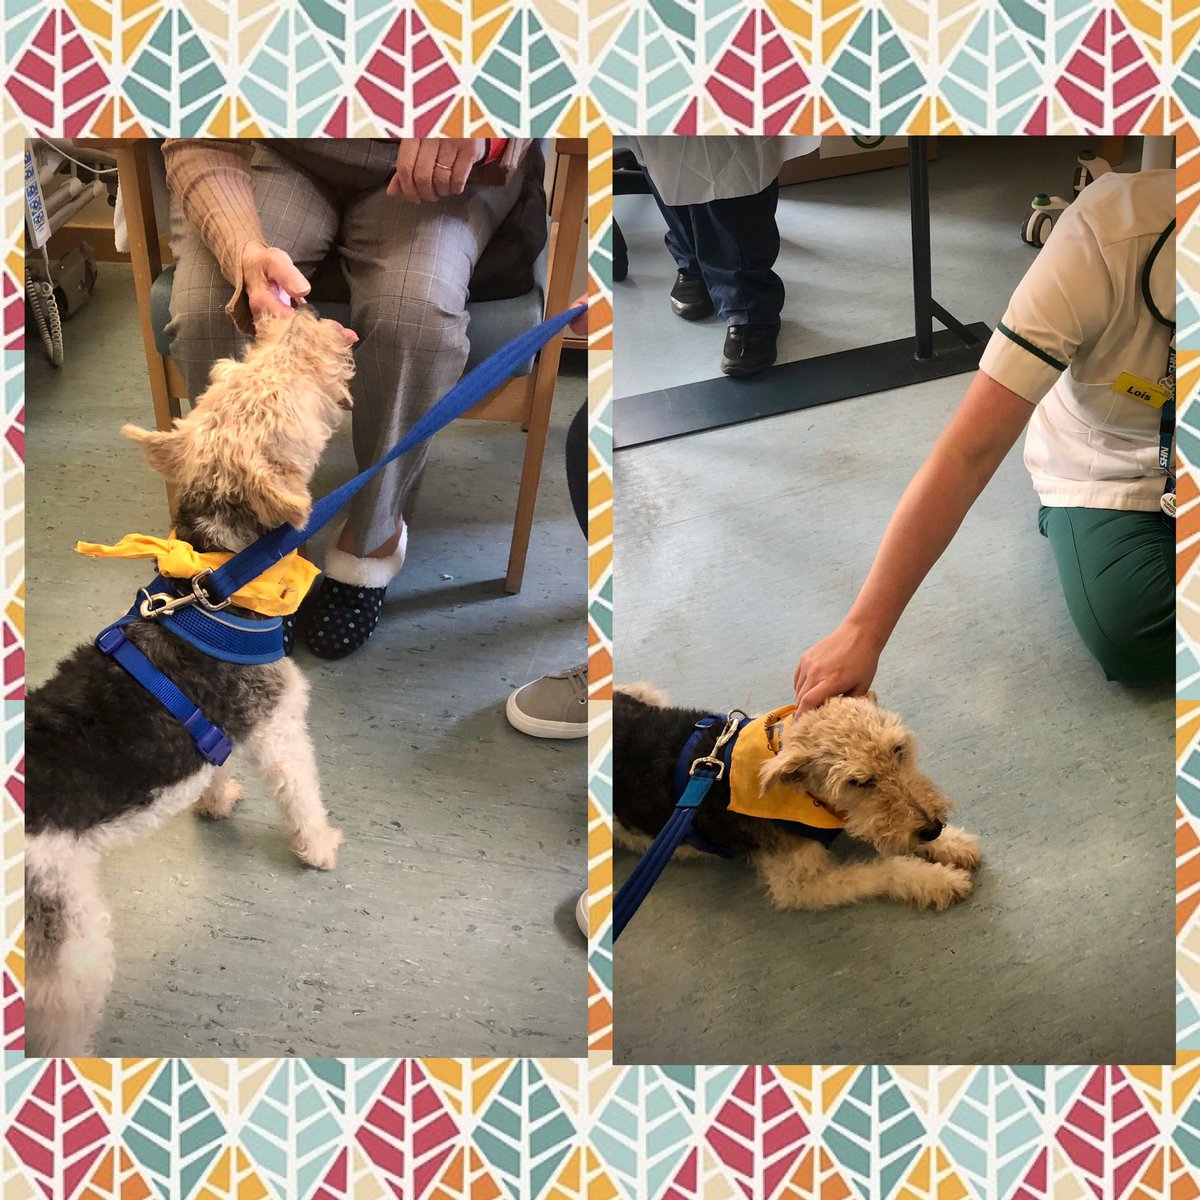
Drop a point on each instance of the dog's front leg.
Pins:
(806, 876)
(282, 750)
(217, 800)
(954, 846)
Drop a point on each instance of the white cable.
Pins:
(79, 163)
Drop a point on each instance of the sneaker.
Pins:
(554, 706)
(689, 297)
(748, 348)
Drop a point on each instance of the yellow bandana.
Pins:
(756, 744)
(277, 592)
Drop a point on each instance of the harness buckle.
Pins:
(109, 640)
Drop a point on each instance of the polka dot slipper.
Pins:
(348, 606)
(296, 620)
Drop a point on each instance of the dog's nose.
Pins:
(930, 832)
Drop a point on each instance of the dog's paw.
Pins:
(319, 850)
(955, 848)
(930, 885)
(217, 803)
(957, 887)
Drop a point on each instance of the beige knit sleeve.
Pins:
(211, 181)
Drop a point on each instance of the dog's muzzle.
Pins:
(930, 832)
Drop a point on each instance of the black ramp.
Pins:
(789, 387)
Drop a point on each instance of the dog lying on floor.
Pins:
(106, 762)
(848, 764)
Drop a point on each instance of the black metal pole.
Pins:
(918, 193)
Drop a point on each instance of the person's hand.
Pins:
(842, 664)
(430, 168)
(579, 324)
(275, 285)
(272, 281)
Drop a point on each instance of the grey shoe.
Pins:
(554, 706)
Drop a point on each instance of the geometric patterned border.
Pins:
(442, 1128)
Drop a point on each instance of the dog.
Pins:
(848, 763)
(106, 762)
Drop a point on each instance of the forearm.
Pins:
(212, 183)
(933, 506)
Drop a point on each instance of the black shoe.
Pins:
(689, 297)
(620, 255)
(748, 348)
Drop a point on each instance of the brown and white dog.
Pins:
(106, 762)
(855, 757)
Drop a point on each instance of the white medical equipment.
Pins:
(54, 290)
(1089, 166)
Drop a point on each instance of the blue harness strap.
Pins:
(210, 739)
(237, 639)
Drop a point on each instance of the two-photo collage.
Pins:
(315, 767)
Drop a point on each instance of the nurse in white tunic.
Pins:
(1084, 356)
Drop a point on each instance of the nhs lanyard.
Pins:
(1166, 418)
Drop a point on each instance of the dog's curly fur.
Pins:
(105, 761)
(851, 753)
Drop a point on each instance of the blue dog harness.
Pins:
(192, 609)
(698, 776)
(692, 780)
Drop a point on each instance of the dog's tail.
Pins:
(647, 693)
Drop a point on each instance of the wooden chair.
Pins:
(525, 400)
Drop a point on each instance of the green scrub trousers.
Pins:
(1118, 576)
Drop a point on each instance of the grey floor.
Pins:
(447, 927)
(737, 549)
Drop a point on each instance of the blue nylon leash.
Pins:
(250, 563)
(701, 774)
(238, 639)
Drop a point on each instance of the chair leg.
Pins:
(568, 205)
(531, 474)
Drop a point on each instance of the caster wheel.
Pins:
(1082, 178)
(1036, 229)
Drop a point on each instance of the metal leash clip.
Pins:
(714, 759)
(202, 597)
(159, 604)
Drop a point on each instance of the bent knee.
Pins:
(1132, 649)
(421, 318)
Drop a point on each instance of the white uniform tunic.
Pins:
(1076, 322)
(695, 170)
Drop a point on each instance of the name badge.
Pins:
(1140, 389)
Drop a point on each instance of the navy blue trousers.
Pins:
(733, 244)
